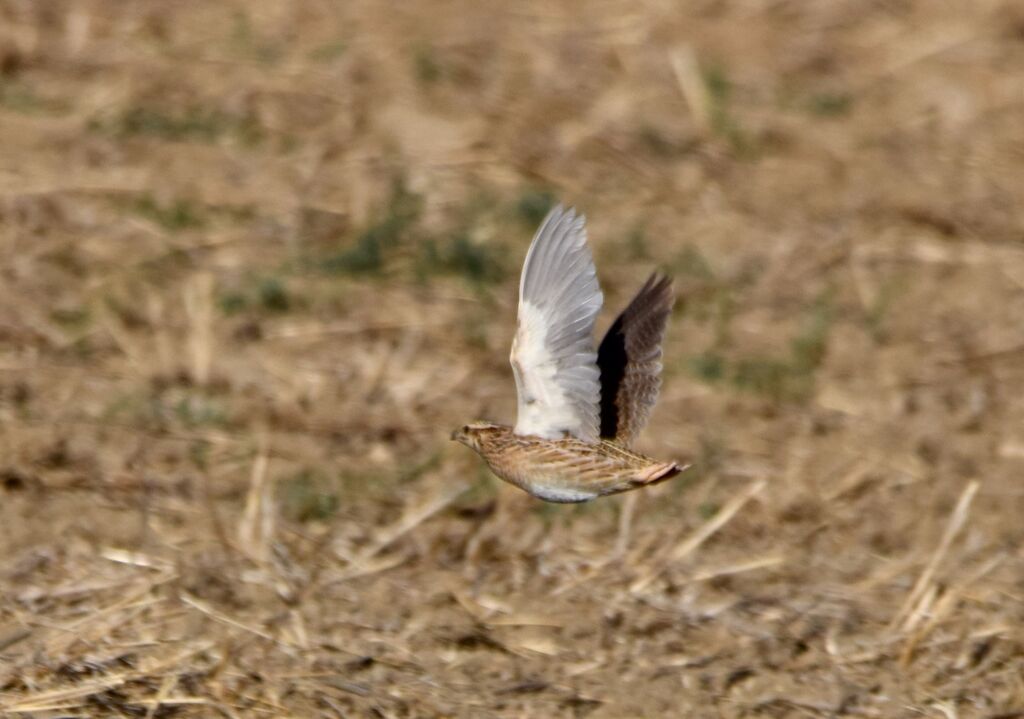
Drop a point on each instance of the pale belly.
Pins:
(552, 484)
(571, 471)
(562, 495)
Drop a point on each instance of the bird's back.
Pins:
(569, 470)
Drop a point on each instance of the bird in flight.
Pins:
(579, 411)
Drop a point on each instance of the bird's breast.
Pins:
(544, 469)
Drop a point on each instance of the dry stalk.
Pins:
(9, 636)
(942, 608)
(223, 618)
(166, 687)
(136, 559)
(626, 511)
(411, 519)
(256, 529)
(199, 308)
(686, 69)
(691, 543)
(738, 568)
(955, 524)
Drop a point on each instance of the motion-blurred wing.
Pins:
(629, 359)
(553, 354)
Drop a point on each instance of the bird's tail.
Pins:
(655, 473)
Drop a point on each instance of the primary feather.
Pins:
(553, 357)
(629, 359)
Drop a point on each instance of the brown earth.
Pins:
(257, 259)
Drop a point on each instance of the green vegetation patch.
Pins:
(395, 241)
(24, 99)
(533, 205)
(830, 104)
(789, 377)
(270, 294)
(196, 124)
(427, 66)
(458, 254)
(723, 122)
(175, 216)
(307, 497)
(371, 246)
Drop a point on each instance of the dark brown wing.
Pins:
(630, 361)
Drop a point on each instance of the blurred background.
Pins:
(258, 259)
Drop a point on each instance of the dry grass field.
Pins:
(258, 259)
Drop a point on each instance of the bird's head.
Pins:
(472, 434)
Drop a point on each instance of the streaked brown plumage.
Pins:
(579, 410)
(630, 361)
(563, 470)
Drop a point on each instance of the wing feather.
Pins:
(553, 357)
(629, 359)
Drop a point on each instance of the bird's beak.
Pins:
(456, 435)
